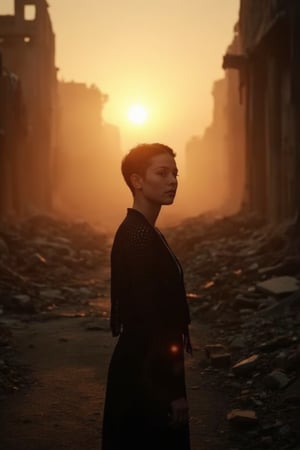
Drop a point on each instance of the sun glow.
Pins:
(137, 114)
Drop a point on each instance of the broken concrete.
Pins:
(279, 286)
(242, 417)
(246, 366)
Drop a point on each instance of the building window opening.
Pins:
(7, 8)
(27, 39)
(30, 12)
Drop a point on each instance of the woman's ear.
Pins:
(136, 181)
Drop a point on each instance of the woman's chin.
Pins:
(168, 202)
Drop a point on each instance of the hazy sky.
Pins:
(164, 54)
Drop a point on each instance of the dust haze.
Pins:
(65, 157)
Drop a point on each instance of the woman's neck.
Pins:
(150, 211)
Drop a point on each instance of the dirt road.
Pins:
(62, 410)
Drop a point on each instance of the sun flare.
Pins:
(137, 114)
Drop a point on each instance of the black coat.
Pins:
(150, 314)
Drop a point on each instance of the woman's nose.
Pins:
(173, 179)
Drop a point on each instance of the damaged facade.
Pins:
(12, 138)
(268, 65)
(234, 144)
(27, 46)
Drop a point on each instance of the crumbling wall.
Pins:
(256, 17)
(12, 143)
(235, 136)
(267, 64)
(27, 44)
(270, 126)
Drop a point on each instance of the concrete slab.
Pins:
(279, 285)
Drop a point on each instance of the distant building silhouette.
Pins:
(89, 181)
(206, 161)
(216, 160)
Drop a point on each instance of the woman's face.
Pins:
(159, 184)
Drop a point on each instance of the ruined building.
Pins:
(268, 65)
(215, 161)
(89, 183)
(205, 167)
(27, 45)
(12, 137)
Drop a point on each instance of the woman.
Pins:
(146, 405)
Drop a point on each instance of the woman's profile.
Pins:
(146, 404)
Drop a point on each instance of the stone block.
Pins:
(279, 285)
(277, 380)
(246, 366)
(242, 417)
(220, 360)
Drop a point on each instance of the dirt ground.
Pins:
(68, 358)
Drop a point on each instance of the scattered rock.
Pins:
(293, 360)
(279, 285)
(277, 380)
(242, 417)
(238, 343)
(246, 366)
(277, 343)
(214, 349)
(21, 303)
(226, 262)
(220, 360)
(291, 395)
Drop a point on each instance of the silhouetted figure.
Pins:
(146, 405)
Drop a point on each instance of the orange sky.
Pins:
(163, 53)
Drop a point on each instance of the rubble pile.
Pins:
(243, 279)
(230, 264)
(258, 363)
(43, 262)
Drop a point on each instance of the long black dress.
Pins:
(150, 315)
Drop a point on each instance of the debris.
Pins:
(238, 343)
(220, 360)
(246, 366)
(50, 262)
(277, 343)
(214, 349)
(277, 380)
(242, 417)
(279, 286)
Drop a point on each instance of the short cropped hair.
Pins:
(138, 159)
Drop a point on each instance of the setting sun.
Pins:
(137, 114)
